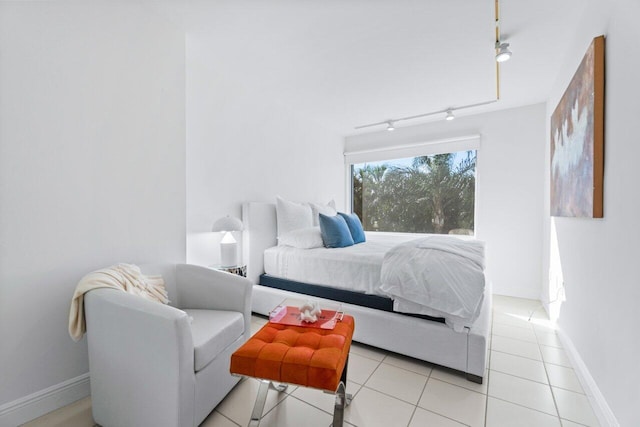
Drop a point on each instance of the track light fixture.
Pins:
(391, 123)
(502, 49)
(450, 115)
(503, 53)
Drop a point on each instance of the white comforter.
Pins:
(438, 276)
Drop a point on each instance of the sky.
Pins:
(406, 162)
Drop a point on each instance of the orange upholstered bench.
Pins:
(301, 355)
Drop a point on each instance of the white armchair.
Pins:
(166, 365)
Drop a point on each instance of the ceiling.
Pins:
(347, 63)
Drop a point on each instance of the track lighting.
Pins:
(450, 115)
(503, 53)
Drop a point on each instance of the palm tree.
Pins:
(446, 187)
(368, 189)
(434, 195)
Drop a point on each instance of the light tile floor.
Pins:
(529, 383)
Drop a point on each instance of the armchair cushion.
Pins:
(212, 332)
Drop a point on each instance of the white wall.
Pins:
(599, 258)
(244, 145)
(92, 168)
(508, 191)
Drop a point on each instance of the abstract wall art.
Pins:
(577, 140)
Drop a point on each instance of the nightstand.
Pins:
(240, 270)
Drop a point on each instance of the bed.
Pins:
(421, 336)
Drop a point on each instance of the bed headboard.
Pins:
(259, 220)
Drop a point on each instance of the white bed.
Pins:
(419, 338)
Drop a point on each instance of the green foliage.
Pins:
(434, 195)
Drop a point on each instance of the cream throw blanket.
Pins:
(125, 277)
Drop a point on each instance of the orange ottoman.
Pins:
(306, 356)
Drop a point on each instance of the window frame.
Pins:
(425, 148)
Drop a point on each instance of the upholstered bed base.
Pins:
(422, 339)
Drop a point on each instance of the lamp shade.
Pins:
(227, 223)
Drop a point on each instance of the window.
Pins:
(421, 194)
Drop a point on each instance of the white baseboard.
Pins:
(44, 401)
(600, 407)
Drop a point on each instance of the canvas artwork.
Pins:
(577, 140)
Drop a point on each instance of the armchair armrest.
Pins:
(139, 348)
(206, 288)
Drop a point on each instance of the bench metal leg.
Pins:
(338, 408)
(343, 378)
(280, 386)
(261, 399)
(258, 407)
(342, 398)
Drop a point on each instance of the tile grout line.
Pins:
(553, 395)
(539, 335)
(556, 348)
(411, 372)
(223, 415)
(514, 338)
(486, 403)
(314, 406)
(523, 378)
(417, 405)
(526, 407)
(444, 416)
(524, 357)
(557, 415)
(371, 374)
(278, 403)
(536, 360)
(524, 328)
(415, 408)
(389, 395)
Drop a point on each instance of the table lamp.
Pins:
(228, 244)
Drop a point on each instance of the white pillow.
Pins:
(292, 216)
(302, 238)
(329, 210)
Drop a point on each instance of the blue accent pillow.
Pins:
(355, 227)
(335, 231)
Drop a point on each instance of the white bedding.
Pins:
(356, 267)
(437, 276)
